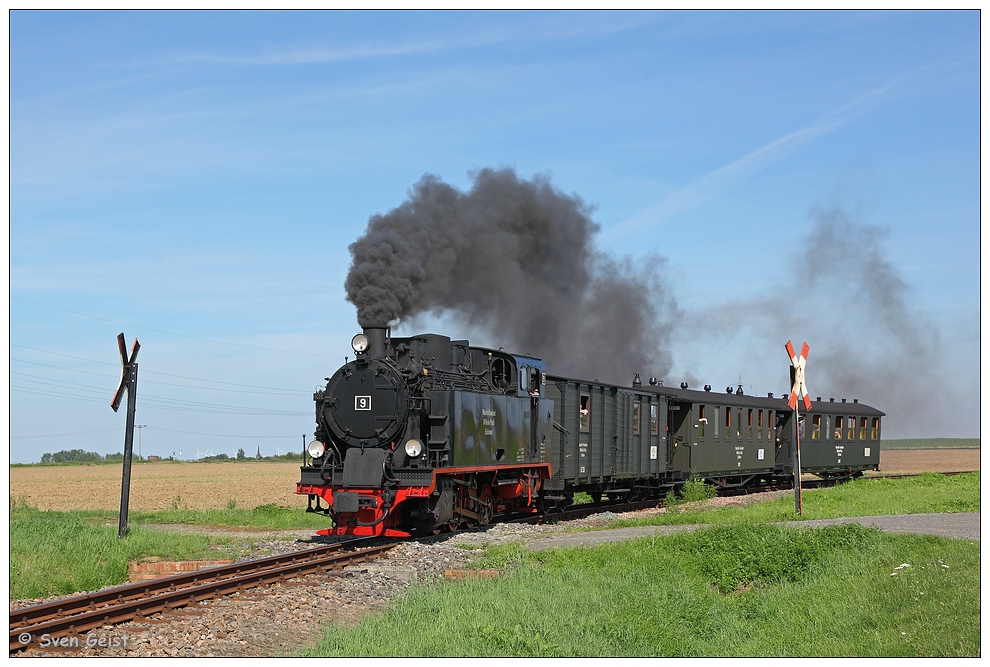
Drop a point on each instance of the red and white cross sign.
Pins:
(797, 376)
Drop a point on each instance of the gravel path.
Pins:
(280, 619)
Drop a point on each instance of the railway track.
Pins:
(76, 615)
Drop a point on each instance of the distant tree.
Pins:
(71, 456)
(240, 455)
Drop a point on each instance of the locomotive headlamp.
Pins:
(316, 449)
(413, 447)
(359, 343)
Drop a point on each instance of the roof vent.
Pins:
(769, 394)
(684, 385)
(654, 382)
(708, 387)
(637, 381)
(819, 399)
(739, 391)
(843, 400)
(855, 400)
(831, 400)
(728, 390)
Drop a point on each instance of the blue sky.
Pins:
(194, 180)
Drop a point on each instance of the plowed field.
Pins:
(157, 486)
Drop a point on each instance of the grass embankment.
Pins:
(60, 553)
(739, 588)
(724, 591)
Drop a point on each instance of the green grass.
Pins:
(863, 497)
(60, 553)
(933, 443)
(735, 590)
(263, 517)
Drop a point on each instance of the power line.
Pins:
(172, 333)
(183, 377)
(63, 435)
(227, 435)
(151, 402)
(297, 392)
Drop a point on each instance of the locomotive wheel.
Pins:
(486, 505)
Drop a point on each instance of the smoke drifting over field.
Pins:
(843, 290)
(515, 259)
(859, 291)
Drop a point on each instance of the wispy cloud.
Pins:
(714, 182)
(501, 29)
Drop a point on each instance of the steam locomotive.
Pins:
(422, 434)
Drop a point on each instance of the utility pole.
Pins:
(128, 384)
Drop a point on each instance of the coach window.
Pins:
(635, 417)
(718, 424)
(816, 427)
(702, 421)
(770, 428)
(851, 425)
(749, 418)
(875, 431)
(523, 378)
(739, 423)
(759, 419)
(585, 413)
(862, 428)
(828, 427)
(801, 427)
(839, 433)
(654, 422)
(728, 422)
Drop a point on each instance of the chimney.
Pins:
(376, 341)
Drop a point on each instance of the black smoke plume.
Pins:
(862, 297)
(844, 296)
(515, 259)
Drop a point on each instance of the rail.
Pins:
(120, 604)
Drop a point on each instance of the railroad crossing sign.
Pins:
(797, 376)
(128, 383)
(797, 388)
(127, 366)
